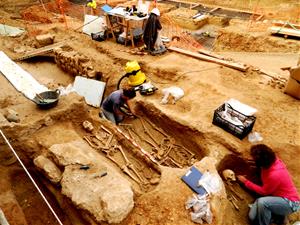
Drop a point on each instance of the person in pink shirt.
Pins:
(279, 194)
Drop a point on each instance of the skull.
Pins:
(88, 126)
(229, 175)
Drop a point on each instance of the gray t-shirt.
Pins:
(113, 102)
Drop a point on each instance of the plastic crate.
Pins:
(239, 131)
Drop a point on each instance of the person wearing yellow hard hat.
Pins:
(93, 5)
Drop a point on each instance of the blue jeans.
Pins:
(262, 209)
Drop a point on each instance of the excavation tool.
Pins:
(100, 174)
(84, 167)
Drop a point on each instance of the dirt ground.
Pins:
(186, 126)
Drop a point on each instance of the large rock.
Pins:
(108, 198)
(48, 168)
(45, 39)
(76, 152)
(12, 116)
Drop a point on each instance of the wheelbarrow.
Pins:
(47, 99)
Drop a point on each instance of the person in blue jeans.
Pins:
(113, 104)
(279, 195)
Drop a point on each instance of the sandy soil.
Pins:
(206, 86)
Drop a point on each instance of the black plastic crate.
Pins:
(239, 131)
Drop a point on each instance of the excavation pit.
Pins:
(58, 134)
(238, 195)
(183, 130)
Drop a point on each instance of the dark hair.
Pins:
(263, 155)
(129, 93)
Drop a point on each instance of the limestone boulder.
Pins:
(72, 153)
(48, 168)
(106, 198)
(12, 116)
(45, 39)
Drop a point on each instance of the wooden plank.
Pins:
(230, 9)
(208, 53)
(260, 17)
(214, 9)
(193, 4)
(40, 51)
(285, 31)
(233, 65)
(286, 24)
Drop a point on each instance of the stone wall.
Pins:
(75, 63)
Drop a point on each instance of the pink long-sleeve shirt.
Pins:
(276, 182)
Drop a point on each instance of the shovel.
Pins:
(41, 99)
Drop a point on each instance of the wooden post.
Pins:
(233, 65)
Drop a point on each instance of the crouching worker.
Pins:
(151, 36)
(279, 194)
(114, 105)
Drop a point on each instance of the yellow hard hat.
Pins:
(92, 4)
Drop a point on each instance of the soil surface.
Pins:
(186, 126)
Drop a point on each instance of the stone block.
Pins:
(45, 39)
(48, 168)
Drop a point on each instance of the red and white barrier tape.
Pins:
(143, 151)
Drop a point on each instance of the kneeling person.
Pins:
(113, 104)
(279, 196)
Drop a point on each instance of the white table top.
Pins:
(120, 11)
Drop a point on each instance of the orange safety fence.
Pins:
(58, 11)
(252, 25)
(55, 11)
(179, 36)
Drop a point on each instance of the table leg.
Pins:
(110, 28)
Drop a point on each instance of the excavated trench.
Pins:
(161, 137)
(238, 196)
(165, 141)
